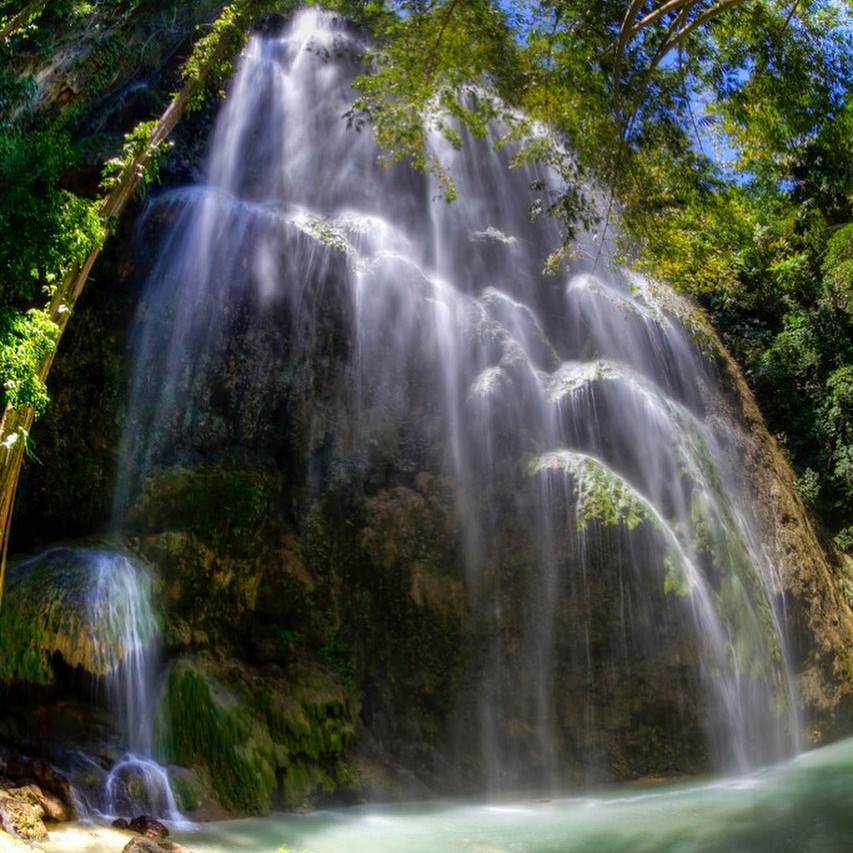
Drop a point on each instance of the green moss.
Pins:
(675, 581)
(259, 735)
(223, 506)
(47, 610)
(209, 730)
(602, 495)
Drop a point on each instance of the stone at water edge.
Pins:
(58, 802)
(153, 845)
(148, 826)
(20, 818)
(52, 808)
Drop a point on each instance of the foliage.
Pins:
(25, 341)
(215, 53)
(215, 733)
(719, 135)
(43, 230)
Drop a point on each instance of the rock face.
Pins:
(333, 624)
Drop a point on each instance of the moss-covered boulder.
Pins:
(79, 604)
(21, 818)
(255, 735)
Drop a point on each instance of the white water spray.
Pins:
(577, 416)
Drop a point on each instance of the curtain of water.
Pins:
(606, 535)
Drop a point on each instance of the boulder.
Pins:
(51, 807)
(148, 826)
(153, 845)
(43, 781)
(20, 818)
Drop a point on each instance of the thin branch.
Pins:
(694, 25)
(430, 57)
(662, 51)
(791, 13)
(693, 121)
(671, 42)
(621, 44)
(658, 13)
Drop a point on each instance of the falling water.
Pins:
(606, 534)
(92, 610)
(124, 633)
(121, 613)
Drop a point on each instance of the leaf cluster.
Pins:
(716, 136)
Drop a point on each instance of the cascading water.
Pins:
(91, 609)
(120, 609)
(614, 580)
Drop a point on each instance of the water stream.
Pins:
(121, 615)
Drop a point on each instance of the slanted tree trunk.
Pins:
(209, 60)
(16, 422)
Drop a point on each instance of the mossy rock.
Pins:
(222, 505)
(21, 818)
(189, 789)
(213, 733)
(65, 601)
(248, 735)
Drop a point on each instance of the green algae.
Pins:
(259, 735)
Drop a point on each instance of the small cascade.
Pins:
(91, 612)
(616, 583)
(119, 603)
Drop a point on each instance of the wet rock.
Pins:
(54, 788)
(20, 818)
(153, 845)
(50, 805)
(148, 826)
(121, 823)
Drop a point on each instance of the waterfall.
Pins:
(88, 612)
(614, 574)
(125, 634)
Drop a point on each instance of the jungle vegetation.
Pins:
(714, 137)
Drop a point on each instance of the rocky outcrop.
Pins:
(813, 577)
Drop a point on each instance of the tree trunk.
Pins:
(16, 423)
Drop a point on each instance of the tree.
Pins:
(629, 101)
(50, 238)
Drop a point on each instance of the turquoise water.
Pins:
(805, 804)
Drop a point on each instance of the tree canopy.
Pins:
(714, 137)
